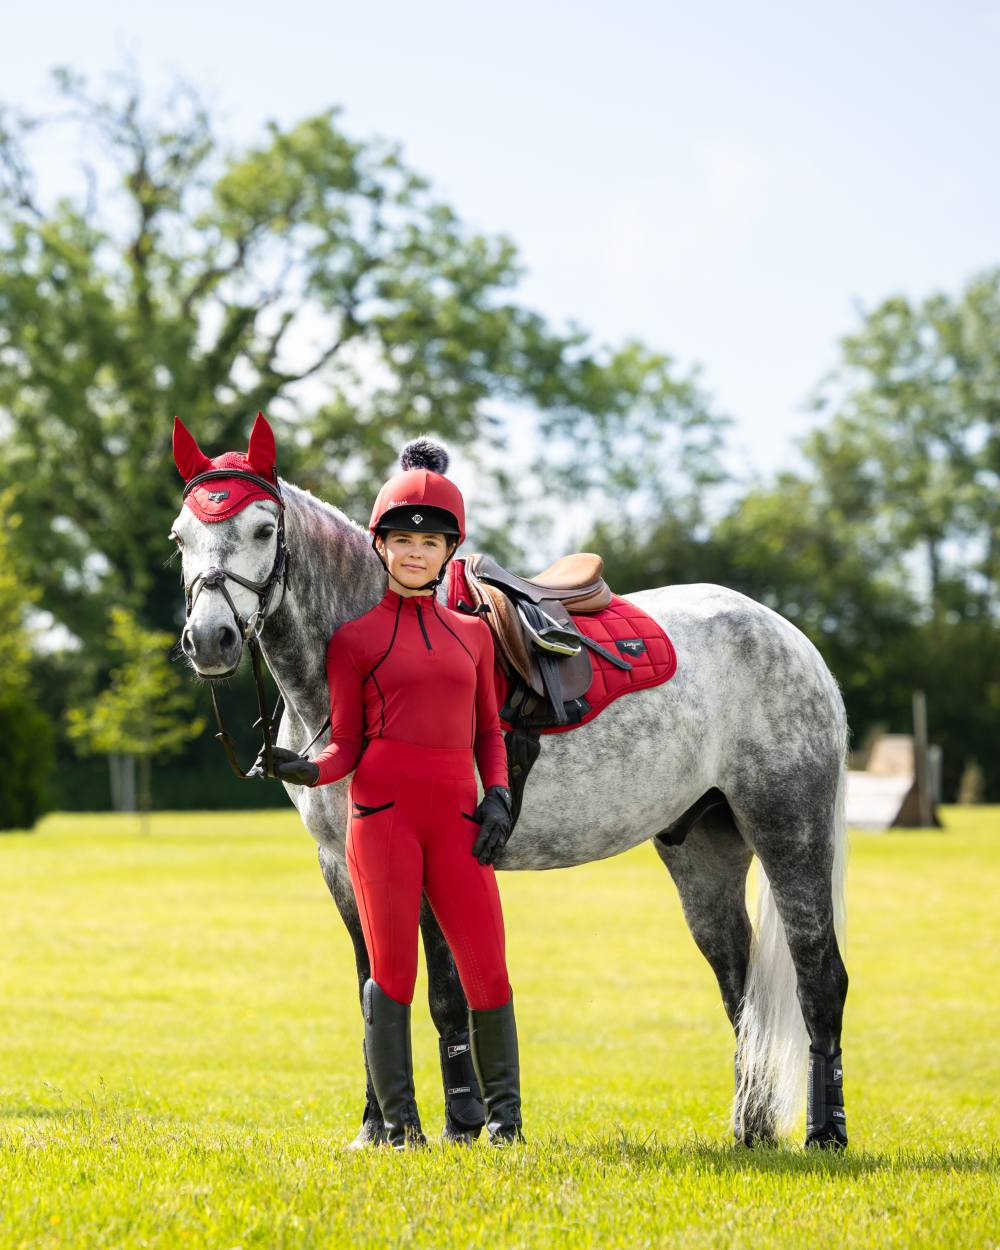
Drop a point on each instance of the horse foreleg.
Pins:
(708, 861)
(372, 1131)
(464, 1110)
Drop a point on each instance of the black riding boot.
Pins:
(372, 1130)
(390, 1060)
(493, 1037)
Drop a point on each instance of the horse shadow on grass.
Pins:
(85, 1109)
(730, 1158)
(10, 1113)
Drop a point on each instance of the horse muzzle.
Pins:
(213, 648)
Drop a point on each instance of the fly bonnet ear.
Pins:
(188, 456)
(261, 451)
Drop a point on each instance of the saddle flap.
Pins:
(501, 618)
(566, 677)
(517, 652)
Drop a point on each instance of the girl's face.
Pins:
(413, 558)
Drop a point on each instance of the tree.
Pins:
(911, 441)
(785, 547)
(311, 275)
(26, 734)
(885, 549)
(145, 711)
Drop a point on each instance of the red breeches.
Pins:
(411, 831)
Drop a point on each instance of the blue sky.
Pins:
(726, 181)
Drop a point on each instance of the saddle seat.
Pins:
(575, 580)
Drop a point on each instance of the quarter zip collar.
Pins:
(396, 602)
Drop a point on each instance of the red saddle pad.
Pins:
(621, 627)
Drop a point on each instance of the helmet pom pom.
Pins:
(424, 453)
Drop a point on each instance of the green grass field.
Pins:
(181, 1056)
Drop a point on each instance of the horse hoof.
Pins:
(756, 1130)
(831, 1136)
(371, 1133)
(752, 1138)
(459, 1134)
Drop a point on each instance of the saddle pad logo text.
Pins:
(631, 646)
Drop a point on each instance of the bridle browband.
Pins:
(215, 579)
(271, 487)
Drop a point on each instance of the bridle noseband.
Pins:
(215, 579)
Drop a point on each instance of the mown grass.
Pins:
(181, 1056)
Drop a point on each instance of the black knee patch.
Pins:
(826, 1120)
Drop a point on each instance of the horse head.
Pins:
(231, 535)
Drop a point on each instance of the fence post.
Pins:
(920, 770)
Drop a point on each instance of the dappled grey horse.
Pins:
(740, 754)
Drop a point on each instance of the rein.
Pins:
(215, 579)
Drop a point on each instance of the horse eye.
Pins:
(265, 531)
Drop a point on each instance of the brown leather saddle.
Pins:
(540, 649)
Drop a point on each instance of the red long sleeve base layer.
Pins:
(412, 706)
(417, 671)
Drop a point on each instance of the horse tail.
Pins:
(772, 1047)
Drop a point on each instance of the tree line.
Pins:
(321, 279)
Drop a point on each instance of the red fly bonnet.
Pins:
(219, 487)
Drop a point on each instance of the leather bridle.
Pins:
(215, 579)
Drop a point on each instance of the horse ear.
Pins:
(188, 456)
(261, 452)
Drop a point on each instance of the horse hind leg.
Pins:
(802, 856)
(708, 860)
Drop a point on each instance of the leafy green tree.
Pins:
(784, 546)
(311, 275)
(145, 711)
(26, 733)
(884, 549)
(909, 453)
(910, 443)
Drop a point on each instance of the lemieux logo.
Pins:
(634, 646)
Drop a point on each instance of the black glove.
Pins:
(493, 813)
(288, 766)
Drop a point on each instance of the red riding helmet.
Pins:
(420, 498)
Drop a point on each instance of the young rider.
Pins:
(412, 706)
